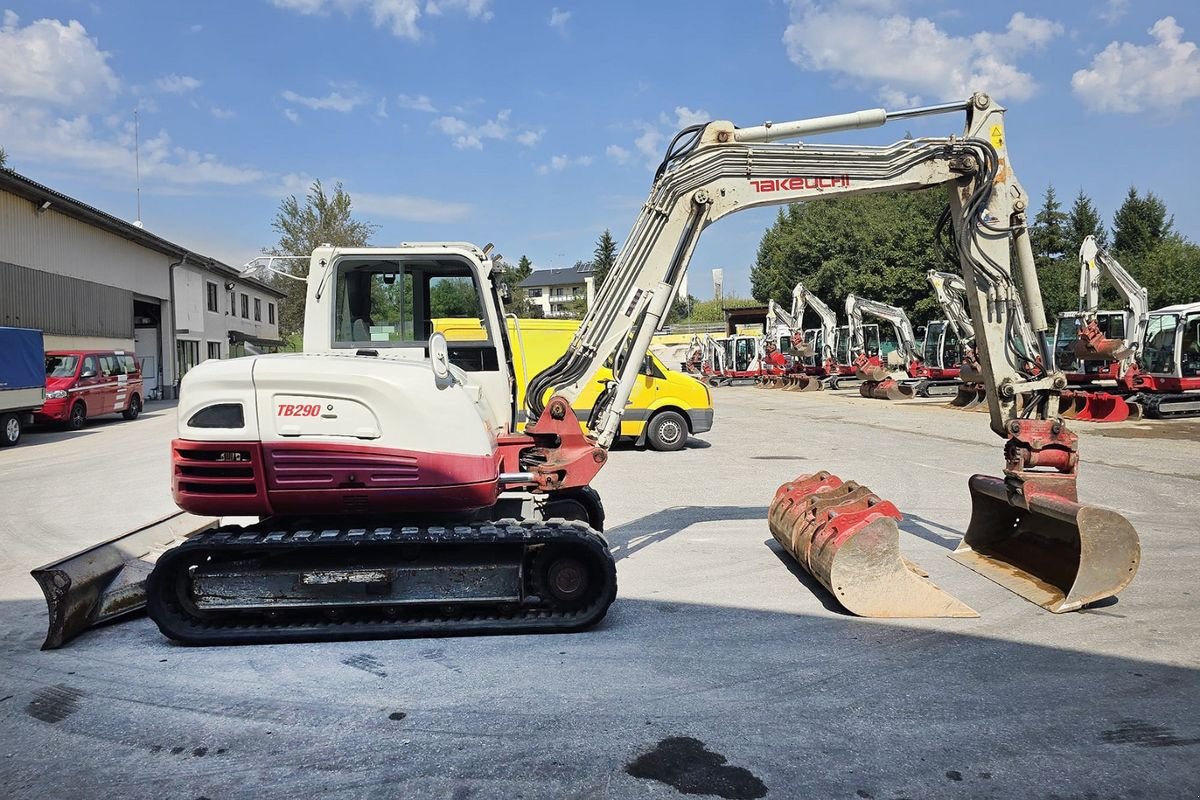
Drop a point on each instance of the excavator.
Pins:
(396, 496)
(884, 373)
(1165, 386)
(951, 294)
(821, 342)
(786, 330)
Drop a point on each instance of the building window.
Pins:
(245, 306)
(188, 356)
(271, 313)
(232, 303)
(558, 291)
(214, 349)
(257, 310)
(210, 291)
(534, 292)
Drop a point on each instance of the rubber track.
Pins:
(1158, 406)
(373, 622)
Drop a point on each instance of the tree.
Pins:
(878, 246)
(3, 157)
(303, 226)
(509, 278)
(681, 308)
(603, 258)
(1084, 220)
(1139, 225)
(1051, 239)
(1171, 272)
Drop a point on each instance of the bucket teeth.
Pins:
(847, 538)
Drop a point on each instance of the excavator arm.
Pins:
(716, 169)
(1094, 264)
(951, 294)
(802, 298)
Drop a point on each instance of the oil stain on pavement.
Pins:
(689, 766)
(54, 703)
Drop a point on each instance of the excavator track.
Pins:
(1169, 406)
(238, 585)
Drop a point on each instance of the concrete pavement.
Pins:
(720, 671)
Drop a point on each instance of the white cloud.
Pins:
(685, 117)
(1128, 78)
(467, 136)
(901, 57)
(63, 110)
(559, 19)
(381, 108)
(617, 153)
(410, 208)
(561, 162)
(292, 116)
(1112, 11)
(416, 103)
(222, 113)
(530, 138)
(650, 143)
(401, 16)
(39, 137)
(177, 84)
(49, 62)
(334, 101)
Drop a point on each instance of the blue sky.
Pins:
(535, 125)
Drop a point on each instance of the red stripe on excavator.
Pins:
(257, 479)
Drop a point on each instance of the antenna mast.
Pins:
(137, 169)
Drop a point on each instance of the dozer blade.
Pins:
(846, 537)
(1103, 407)
(1045, 546)
(108, 580)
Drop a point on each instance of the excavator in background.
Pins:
(884, 372)
(397, 496)
(785, 330)
(1154, 354)
(951, 294)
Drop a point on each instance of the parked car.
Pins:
(81, 384)
(22, 388)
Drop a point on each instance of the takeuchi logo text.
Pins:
(798, 183)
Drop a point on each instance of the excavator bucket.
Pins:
(1071, 403)
(1041, 543)
(1093, 345)
(888, 389)
(1104, 407)
(108, 580)
(969, 396)
(806, 383)
(847, 538)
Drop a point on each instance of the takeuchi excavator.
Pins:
(785, 330)
(396, 495)
(884, 373)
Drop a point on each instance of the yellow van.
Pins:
(664, 407)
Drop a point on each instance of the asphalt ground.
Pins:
(721, 670)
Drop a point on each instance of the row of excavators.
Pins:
(1118, 364)
(395, 488)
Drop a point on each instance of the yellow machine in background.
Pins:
(664, 408)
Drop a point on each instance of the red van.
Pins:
(89, 383)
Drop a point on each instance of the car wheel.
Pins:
(10, 430)
(78, 417)
(668, 431)
(135, 408)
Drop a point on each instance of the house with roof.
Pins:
(552, 289)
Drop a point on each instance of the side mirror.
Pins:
(89, 373)
(439, 359)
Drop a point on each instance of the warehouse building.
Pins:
(90, 280)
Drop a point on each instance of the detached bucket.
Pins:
(1103, 407)
(1045, 546)
(846, 537)
(890, 389)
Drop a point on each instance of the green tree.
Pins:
(3, 157)
(304, 225)
(1140, 224)
(878, 246)
(509, 278)
(604, 257)
(1171, 272)
(1083, 221)
(1054, 256)
(681, 308)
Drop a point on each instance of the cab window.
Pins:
(90, 365)
(61, 366)
(1159, 353)
(394, 303)
(131, 365)
(1190, 349)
